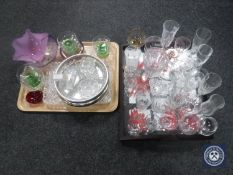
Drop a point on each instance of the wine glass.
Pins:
(209, 83)
(202, 36)
(214, 103)
(170, 28)
(203, 54)
(136, 37)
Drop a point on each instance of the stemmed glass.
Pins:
(203, 54)
(136, 37)
(214, 103)
(209, 83)
(152, 42)
(170, 27)
(202, 36)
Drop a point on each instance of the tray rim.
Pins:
(112, 105)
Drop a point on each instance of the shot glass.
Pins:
(69, 44)
(101, 46)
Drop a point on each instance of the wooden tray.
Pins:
(113, 63)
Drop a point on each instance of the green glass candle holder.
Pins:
(101, 46)
(31, 77)
(69, 44)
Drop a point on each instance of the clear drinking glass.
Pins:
(152, 124)
(132, 57)
(168, 121)
(137, 123)
(155, 60)
(202, 36)
(133, 52)
(50, 52)
(152, 42)
(214, 103)
(203, 54)
(189, 125)
(209, 83)
(160, 87)
(182, 43)
(208, 126)
(101, 46)
(143, 99)
(159, 104)
(69, 44)
(130, 81)
(170, 27)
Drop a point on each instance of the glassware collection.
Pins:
(164, 79)
(76, 78)
(165, 83)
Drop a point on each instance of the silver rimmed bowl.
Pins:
(81, 80)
